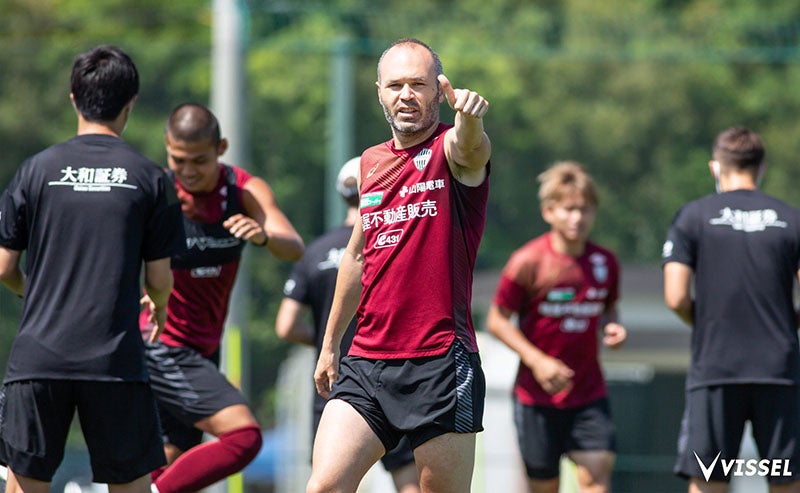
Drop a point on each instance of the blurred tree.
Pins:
(634, 90)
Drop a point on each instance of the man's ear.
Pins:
(72, 100)
(715, 171)
(760, 175)
(222, 146)
(713, 165)
(547, 214)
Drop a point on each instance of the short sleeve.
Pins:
(296, 286)
(164, 236)
(517, 275)
(509, 294)
(680, 245)
(13, 217)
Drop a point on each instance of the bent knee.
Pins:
(320, 482)
(316, 485)
(244, 442)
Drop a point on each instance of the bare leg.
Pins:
(593, 470)
(543, 485)
(18, 484)
(227, 419)
(172, 452)
(344, 450)
(406, 479)
(698, 485)
(141, 485)
(793, 487)
(445, 463)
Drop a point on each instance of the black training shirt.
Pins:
(87, 212)
(744, 249)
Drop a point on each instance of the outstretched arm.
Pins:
(467, 146)
(264, 224)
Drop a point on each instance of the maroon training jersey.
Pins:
(205, 272)
(559, 299)
(422, 229)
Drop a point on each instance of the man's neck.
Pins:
(103, 128)
(113, 127)
(404, 141)
(730, 182)
(561, 245)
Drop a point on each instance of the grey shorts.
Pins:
(188, 387)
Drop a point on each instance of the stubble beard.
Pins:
(430, 117)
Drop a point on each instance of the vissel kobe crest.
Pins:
(599, 267)
(422, 158)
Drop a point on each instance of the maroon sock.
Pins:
(157, 473)
(212, 461)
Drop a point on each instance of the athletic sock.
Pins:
(212, 461)
(157, 473)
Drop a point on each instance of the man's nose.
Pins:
(406, 92)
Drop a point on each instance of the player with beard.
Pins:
(413, 367)
(310, 288)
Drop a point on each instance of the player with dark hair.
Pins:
(310, 288)
(87, 212)
(564, 289)
(731, 260)
(224, 209)
(413, 367)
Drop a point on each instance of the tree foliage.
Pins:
(635, 91)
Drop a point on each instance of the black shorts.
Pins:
(546, 433)
(421, 398)
(118, 420)
(713, 423)
(188, 387)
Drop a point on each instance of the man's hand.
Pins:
(327, 372)
(553, 375)
(156, 319)
(615, 335)
(464, 101)
(246, 228)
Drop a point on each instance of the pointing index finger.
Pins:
(448, 90)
